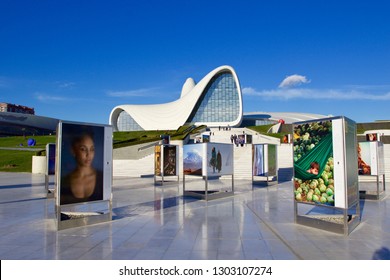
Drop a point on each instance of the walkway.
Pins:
(159, 223)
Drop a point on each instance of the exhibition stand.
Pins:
(50, 168)
(371, 170)
(83, 166)
(264, 164)
(83, 214)
(166, 164)
(207, 161)
(206, 193)
(333, 219)
(326, 188)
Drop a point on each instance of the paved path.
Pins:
(22, 149)
(157, 222)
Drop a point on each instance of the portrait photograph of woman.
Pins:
(82, 153)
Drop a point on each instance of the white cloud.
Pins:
(49, 98)
(66, 85)
(132, 93)
(293, 80)
(335, 94)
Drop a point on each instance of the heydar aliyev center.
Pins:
(214, 101)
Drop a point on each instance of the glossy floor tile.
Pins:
(157, 222)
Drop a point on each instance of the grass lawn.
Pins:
(16, 141)
(123, 139)
(20, 161)
(263, 130)
(16, 161)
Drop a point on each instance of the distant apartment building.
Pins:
(13, 108)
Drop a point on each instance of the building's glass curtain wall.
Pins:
(127, 123)
(219, 103)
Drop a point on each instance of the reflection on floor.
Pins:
(158, 222)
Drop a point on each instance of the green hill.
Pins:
(16, 155)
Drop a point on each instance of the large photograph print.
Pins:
(364, 158)
(193, 159)
(219, 159)
(313, 162)
(51, 158)
(258, 160)
(157, 160)
(272, 160)
(170, 160)
(82, 163)
(370, 158)
(264, 160)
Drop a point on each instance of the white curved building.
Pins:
(261, 118)
(215, 101)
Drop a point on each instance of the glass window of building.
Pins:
(219, 103)
(127, 123)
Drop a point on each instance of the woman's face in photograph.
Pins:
(84, 151)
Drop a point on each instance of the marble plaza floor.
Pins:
(157, 222)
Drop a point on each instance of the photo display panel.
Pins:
(157, 160)
(85, 163)
(264, 160)
(219, 159)
(325, 162)
(165, 139)
(258, 160)
(313, 162)
(381, 158)
(170, 160)
(193, 155)
(51, 158)
(370, 158)
(365, 159)
(350, 164)
(272, 160)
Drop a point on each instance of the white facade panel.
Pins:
(170, 116)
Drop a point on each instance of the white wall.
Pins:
(39, 165)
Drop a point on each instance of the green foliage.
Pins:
(128, 138)
(263, 129)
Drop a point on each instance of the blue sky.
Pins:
(77, 60)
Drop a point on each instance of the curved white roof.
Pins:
(170, 116)
(187, 87)
(288, 117)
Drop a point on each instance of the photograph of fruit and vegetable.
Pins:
(313, 163)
